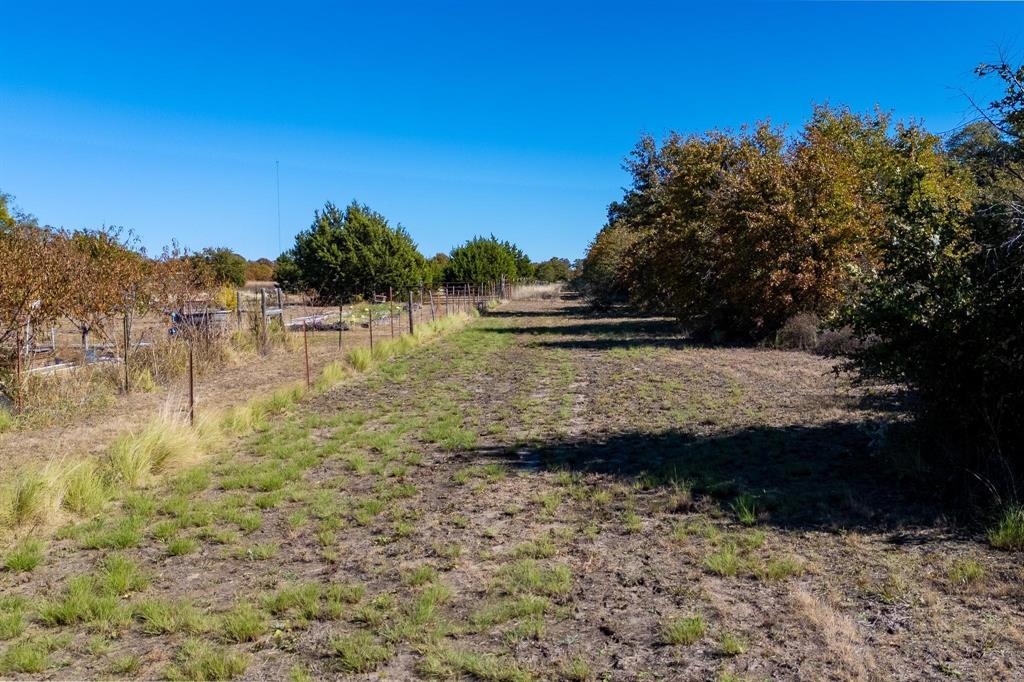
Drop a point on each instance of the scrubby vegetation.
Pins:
(906, 248)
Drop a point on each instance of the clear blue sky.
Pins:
(451, 118)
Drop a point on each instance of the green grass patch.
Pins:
(25, 556)
(199, 660)
(686, 630)
(359, 652)
(1008, 533)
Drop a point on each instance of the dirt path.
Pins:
(548, 494)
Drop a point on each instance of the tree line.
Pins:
(355, 252)
(909, 243)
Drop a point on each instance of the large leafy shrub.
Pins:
(351, 253)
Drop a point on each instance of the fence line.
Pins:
(201, 326)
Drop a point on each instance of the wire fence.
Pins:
(186, 340)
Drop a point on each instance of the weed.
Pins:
(420, 575)
(779, 569)
(631, 522)
(965, 572)
(125, 665)
(448, 663)
(120, 575)
(731, 645)
(299, 673)
(127, 532)
(300, 598)
(181, 546)
(576, 669)
(243, 623)
(724, 562)
(531, 627)
(164, 445)
(85, 491)
(1009, 530)
(25, 556)
(261, 551)
(360, 652)
(159, 616)
(527, 576)
(199, 660)
(745, 508)
(85, 600)
(448, 551)
(683, 630)
(28, 656)
(349, 593)
(12, 616)
(31, 495)
(449, 433)
(541, 548)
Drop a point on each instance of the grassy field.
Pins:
(545, 494)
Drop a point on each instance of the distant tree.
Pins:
(603, 275)
(351, 253)
(434, 270)
(482, 260)
(226, 267)
(553, 270)
(35, 279)
(261, 270)
(110, 276)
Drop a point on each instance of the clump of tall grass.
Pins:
(85, 490)
(166, 444)
(7, 421)
(1008, 532)
(32, 495)
(363, 359)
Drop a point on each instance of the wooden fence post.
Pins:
(238, 309)
(191, 387)
(263, 321)
(433, 315)
(17, 368)
(305, 348)
(127, 342)
(410, 312)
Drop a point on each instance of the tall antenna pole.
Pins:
(277, 172)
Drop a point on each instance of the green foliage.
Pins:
(553, 270)
(351, 253)
(1008, 532)
(359, 652)
(683, 630)
(913, 248)
(941, 311)
(485, 259)
(25, 556)
(223, 265)
(198, 660)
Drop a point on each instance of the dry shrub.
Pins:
(838, 342)
(537, 291)
(61, 396)
(800, 332)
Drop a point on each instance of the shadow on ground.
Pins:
(820, 477)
